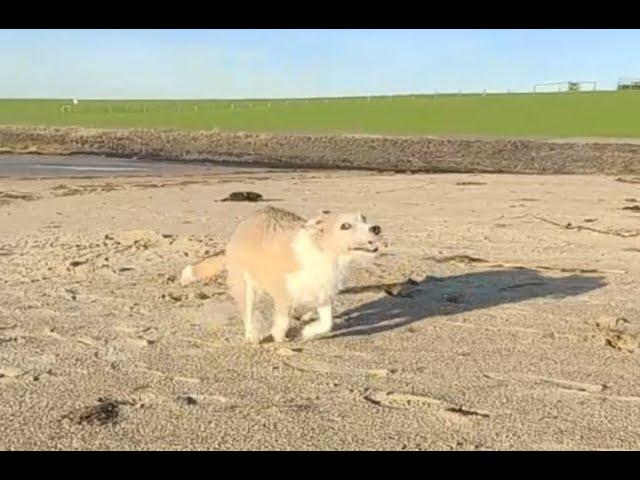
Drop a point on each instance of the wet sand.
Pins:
(70, 166)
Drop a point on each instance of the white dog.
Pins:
(299, 263)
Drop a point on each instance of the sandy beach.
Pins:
(505, 315)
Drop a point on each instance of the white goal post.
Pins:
(629, 83)
(567, 86)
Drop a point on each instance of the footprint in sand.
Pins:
(10, 373)
(554, 382)
(137, 343)
(559, 385)
(139, 336)
(173, 297)
(180, 378)
(193, 399)
(408, 401)
(402, 400)
(619, 333)
(122, 349)
(569, 385)
(141, 367)
(295, 360)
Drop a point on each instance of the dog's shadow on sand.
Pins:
(433, 296)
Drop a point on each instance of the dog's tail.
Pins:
(205, 269)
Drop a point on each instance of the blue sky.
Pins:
(299, 63)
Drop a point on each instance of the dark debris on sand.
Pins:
(243, 197)
(105, 412)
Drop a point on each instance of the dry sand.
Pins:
(100, 348)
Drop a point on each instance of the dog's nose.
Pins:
(375, 229)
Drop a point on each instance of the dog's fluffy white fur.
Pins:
(297, 262)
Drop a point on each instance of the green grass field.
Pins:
(594, 114)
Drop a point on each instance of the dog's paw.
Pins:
(187, 276)
(279, 336)
(252, 338)
(312, 331)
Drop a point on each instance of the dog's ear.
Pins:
(316, 223)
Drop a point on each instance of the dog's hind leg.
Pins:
(251, 334)
(280, 320)
(242, 290)
(321, 326)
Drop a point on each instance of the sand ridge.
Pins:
(370, 152)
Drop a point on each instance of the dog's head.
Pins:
(348, 235)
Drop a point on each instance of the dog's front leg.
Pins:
(322, 325)
(280, 322)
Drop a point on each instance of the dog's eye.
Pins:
(345, 226)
